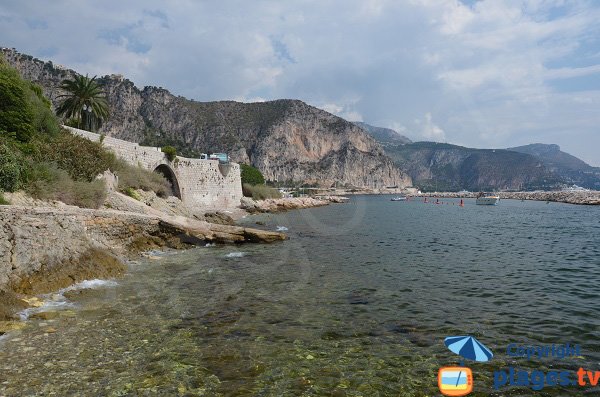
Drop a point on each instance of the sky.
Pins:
(488, 74)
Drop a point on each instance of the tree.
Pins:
(85, 101)
(251, 175)
(16, 112)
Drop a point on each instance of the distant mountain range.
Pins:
(288, 140)
(445, 167)
(567, 166)
(385, 136)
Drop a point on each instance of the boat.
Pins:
(487, 199)
(399, 198)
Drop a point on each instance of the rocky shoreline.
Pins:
(577, 197)
(286, 204)
(48, 248)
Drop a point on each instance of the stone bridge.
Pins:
(198, 183)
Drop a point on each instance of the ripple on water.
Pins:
(362, 312)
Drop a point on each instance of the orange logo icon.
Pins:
(455, 381)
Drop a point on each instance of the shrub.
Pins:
(251, 175)
(132, 193)
(170, 152)
(132, 177)
(260, 192)
(16, 113)
(80, 157)
(51, 183)
(3, 201)
(12, 168)
(24, 110)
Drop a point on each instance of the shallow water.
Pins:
(356, 303)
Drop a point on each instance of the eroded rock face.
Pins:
(43, 249)
(285, 139)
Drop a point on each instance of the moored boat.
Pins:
(487, 199)
(399, 198)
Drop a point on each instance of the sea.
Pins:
(358, 302)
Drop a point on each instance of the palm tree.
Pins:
(84, 101)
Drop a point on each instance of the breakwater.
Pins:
(591, 197)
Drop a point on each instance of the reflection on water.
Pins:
(356, 303)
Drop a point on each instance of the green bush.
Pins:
(3, 201)
(16, 112)
(251, 175)
(132, 193)
(260, 192)
(80, 157)
(132, 177)
(12, 169)
(170, 152)
(24, 110)
(48, 182)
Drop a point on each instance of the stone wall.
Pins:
(201, 183)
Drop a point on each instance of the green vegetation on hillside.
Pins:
(49, 163)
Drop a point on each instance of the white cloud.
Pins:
(489, 71)
(429, 130)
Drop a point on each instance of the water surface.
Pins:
(356, 303)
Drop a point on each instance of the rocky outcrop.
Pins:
(286, 204)
(45, 248)
(287, 140)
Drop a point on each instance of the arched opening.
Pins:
(169, 175)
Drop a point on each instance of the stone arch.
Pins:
(169, 175)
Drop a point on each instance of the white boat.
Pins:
(399, 198)
(487, 199)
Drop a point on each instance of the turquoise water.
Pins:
(356, 303)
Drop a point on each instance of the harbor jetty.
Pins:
(587, 197)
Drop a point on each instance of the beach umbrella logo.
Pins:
(469, 348)
(458, 381)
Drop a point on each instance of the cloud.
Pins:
(491, 73)
(429, 130)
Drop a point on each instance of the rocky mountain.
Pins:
(569, 167)
(385, 136)
(288, 140)
(444, 167)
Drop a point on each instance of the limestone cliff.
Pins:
(288, 140)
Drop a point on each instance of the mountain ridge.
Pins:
(288, 140)
(385, 136)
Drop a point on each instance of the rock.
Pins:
(285, 204)
(45, 315)
(8, 326)
(218, 218)
(33, 302)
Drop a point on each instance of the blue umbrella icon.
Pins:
(468, 347)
